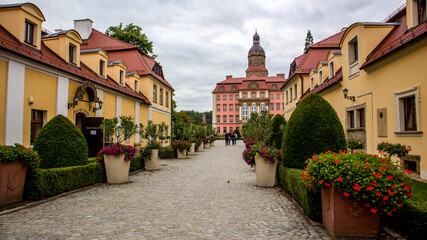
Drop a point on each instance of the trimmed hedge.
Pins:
(167, 152)
(290, 179)
(50, 182)
(277, 136)
(137, 163)
(412, 219)
(61, 144)
(314, 127)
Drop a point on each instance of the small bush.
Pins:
(167, 152)
(291, 181)
(50, 182)
(61, 144)
(137, 163)
(279, 123)
(354, 144)
(314, 127)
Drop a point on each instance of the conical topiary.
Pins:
(314, 127)
(277, 136)
(61, 144)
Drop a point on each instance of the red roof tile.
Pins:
(135, 59)
(252, 69)
(330, 42)
(396, 39)
(326, 84)
(46, 56)
(243, 83)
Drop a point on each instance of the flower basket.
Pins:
(347, 217)
(369, 180)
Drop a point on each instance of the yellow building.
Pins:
(43, 74)
(379, 82)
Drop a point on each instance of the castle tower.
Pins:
(256, 59)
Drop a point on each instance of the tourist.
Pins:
(235, 138)
(227, 140)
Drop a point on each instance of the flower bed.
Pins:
(381, 185)
(19, 153)
(181, 145)
(117, 149)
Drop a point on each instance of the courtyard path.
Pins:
(209, 196)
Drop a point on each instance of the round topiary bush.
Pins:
(277, 136)
(61, 144)
(314, 127)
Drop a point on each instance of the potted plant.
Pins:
(151, 133)
(266, 159)
(355, 189)
(181, 146)
(15, 162)
(117, 156)
(355, 145)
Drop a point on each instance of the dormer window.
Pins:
(421, 7)
(72, 53)
(29, 33)
(136, 86)
(353, 56)
(331, 70)
(233, 88)
(121, 77)
(320, 78)
(101, 67)
(311, 84)
(274, 86)
(221, 88)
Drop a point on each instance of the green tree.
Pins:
(308, 40)
(279, 123)
(314, 127)
(132, 34)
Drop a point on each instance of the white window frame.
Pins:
(353, 67)
(320, 77)
(218, 97)
(253, 108)
(245, 112)
(262, 107)
(399, 109)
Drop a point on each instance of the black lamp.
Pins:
(100, 104)
(345, 92)
(76, 99)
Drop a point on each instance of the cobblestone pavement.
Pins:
(208, 196)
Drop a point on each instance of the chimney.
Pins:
(83, 27)
(228, 76)
(282, 75)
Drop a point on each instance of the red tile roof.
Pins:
(330, 42)
(243, 83)
(252, 69)
(135, 59)
(326, 84)
(46, 56)
(396, 39)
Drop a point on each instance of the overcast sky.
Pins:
(199, 42)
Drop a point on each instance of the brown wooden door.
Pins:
(93, 134)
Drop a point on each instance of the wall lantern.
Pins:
(99, 106)
(345, 92)
(76, 100)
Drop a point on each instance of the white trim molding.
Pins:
(62, 96)
(137, 137)
(118, 106)
(399, 108)
(14, 103)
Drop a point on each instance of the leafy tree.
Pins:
(279, 123)
(132, 34)
(198, 116)
(314, 127)
(308, 40)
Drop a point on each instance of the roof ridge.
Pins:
(117, 40)
(325, 39)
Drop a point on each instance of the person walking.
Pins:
(233, 138)
(227, 140)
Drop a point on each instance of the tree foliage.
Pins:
(314, 127)
(132, 34)
(308, 40)
(198, 116)
(279, 123)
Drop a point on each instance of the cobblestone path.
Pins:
(208, 196)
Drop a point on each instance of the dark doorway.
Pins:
(93, 134)
(79, 121)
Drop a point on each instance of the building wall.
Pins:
(109, 110)
(3, 87)
(42, 87)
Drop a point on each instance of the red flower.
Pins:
(390, 192)
(408, 171)
(367, 165)
(385, 198)
(389, 213)
(370, 188)
(409, 194)
(374, 210)
(340, 179)
(356, 187)
(346, 194)
(321, 181)
(327, 184)
(378, 194)
(377, 174)
(390, 177)
(337, 161)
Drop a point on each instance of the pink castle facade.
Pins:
(234, 99)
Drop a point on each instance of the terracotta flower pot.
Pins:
(154, 162)
(201, 147)
(192, 149)
(116, 168)
(346, 217)
(207, 145)
(12, 181)
(265, 172)
(182, 155)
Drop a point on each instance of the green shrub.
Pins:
(50, 182)
(291, 181)
(19, 153)
(313, 127)
(354, 144)
(137, 163)
(167, 152)
(411, 220)
(61, 144)
(237, 131)
(279, 123)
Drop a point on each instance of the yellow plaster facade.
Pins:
(3, 85)
(93, 61)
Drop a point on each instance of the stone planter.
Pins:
(192, 149)
(12, 181)
(154, 162)
(265, 172)
(116, 168)
(207, 145)
(182, 155)
(201, 147)
(346, 217)
(213, 144)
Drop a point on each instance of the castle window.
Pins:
(218, 97)
(167, 99)
(296, 91)
(311, 84)
(221, 88)
(290, 91)
(218, 130)
(245, 112)
(218, 118)
(253, 85)
(421, 7)
(320, 78)
(231, 118)
(353, 56)
(271, 96)
(253, 109)
(224, 118)
(224, 97)
(136, 86)
(37, 120)
(277, 106)
(161, 96)
(237, 107)
(253, 95)
(233, 88)
(231, 107)
(231, 97)
(274, 86)
(277, 96)
(218, 108)
(224, 107)
(121, 80)
(244, 95)
(72, 53)
(101, 67)
(29, 33)
(237, 97)
(237, 118)
(331, 69)
(271, 106)
(262, 106)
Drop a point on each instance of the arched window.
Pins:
(253, 109)
(244, 112)
(262, 107)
